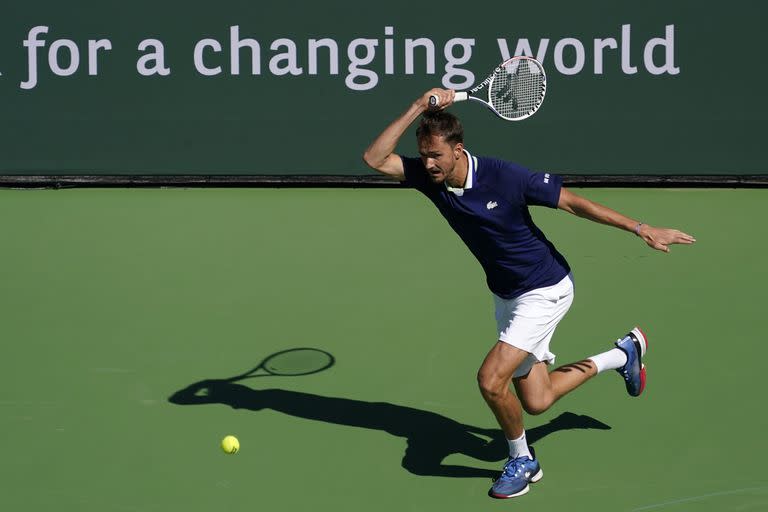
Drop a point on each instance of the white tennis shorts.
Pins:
(529, 321)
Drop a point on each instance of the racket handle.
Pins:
(460, 96)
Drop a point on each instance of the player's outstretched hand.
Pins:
(444, 99)
(661, 238)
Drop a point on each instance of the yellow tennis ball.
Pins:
(230, 444)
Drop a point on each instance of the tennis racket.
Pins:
(290, 363)
(514, 91)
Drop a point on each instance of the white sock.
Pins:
(519, 447)
(611, 360)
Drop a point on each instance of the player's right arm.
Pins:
(381, 155)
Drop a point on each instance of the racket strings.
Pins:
(518, 89)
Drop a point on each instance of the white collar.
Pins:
(470, 180)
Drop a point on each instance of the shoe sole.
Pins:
(641, 341)
(538, 476)
(642, 380)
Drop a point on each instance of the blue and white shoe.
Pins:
(634, 344)
(515, 478)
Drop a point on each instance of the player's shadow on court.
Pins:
(430, 436)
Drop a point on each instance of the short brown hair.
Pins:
(443, 124)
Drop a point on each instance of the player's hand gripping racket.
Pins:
(514, 91)
(292, 362)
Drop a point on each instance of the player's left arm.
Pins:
(657, 238)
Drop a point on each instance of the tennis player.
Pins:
(486, 200)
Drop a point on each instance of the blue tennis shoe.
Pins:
(634, 344)
(515, 478)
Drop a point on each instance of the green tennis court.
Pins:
(115, 300)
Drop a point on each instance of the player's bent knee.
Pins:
(491, 387)
(536, 406)
(535, 410)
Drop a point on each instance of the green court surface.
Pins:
(114, 301)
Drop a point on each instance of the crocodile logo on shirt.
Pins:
(491, 205)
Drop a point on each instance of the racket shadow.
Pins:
(430, 437)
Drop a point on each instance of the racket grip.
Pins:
(460, 96)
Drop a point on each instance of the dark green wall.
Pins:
(708, 118)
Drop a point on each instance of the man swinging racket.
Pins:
(486, 200)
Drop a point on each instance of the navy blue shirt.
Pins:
(493, 220)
